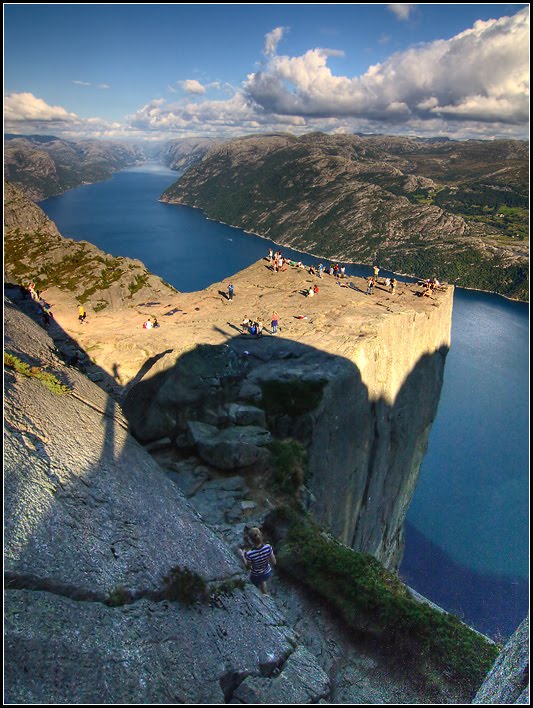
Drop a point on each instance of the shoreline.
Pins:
(340, 260)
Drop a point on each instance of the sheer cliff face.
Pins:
(371, 433)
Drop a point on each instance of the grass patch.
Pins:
(45, 377)
(184, 585)
(374, 602)
(118, 597)
(292, 398)
(290, 464)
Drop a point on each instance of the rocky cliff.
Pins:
(508, 680)
(417, 207)
(34, 250)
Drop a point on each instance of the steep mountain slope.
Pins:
(184, 152)
(418, 207)
(44, 165)
(34, 250)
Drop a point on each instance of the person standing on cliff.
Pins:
(230, 292)
(275, 322)
(259, 560)
(376, 273)
(81, 314)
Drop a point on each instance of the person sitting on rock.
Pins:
(148, 324)
(259, 559)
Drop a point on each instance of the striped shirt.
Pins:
(259, 557)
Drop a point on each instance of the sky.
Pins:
(166, 71)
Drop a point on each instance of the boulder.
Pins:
(231, 448)
(241, 414)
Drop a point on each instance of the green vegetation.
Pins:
(45, 377)
(118, 597)
(290, 464)
(184, 585)
(467, 267)
(291, 397)
(140, 281)
(374, 603)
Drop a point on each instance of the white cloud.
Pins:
(88, 83)
(192, 86)
(21, 107)
(272, 39)
(475, 84)
(401, 10)
(480, 74)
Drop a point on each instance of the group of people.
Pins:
(277, 262)
(429, 284)
(253, 327)
(372, 281)
(151, 324)
(313, 290)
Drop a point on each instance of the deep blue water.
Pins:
(467, 532)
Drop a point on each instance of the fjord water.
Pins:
(467, 527)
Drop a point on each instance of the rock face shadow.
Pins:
(363, 454)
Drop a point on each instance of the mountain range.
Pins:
(458, 210)
(44, 166)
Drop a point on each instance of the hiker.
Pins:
(259, 560)
(270, 254)
(259, 329)
(245, 325)
(148, 324)
(230, 292)
(155, 323)
(376, 273)
(393, 283)
(320, 269)
(275, 322)
(370, 286)
(81, 314)
(343, 272)
(312, 270)
(315, 289)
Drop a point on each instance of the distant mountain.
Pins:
(182, 153)
(419, 207)
(43, 165)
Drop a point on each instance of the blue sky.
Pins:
(170, 70)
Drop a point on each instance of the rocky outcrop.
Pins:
(508, 681)
(93, 531)
(34, 250)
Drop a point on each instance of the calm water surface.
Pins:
(467, 528)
